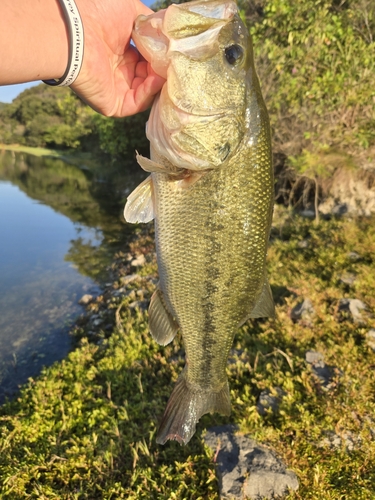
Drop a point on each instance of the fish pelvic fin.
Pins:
(163, 326)
(185, 407)
(140, 205)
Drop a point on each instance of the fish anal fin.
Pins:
(139, 206)
(185, 407)
(264, 306)
(163, 326)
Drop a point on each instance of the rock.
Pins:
(314, 358)
(125, 280)
(370, 338)
(353, 308)
(269, 401)
(139, 304)
(85, 299)
(354, 256)
(335, 441)
(340, 209)
(354, 188)
(304, 310)
(97, 322)
(247, 469)
(310, 214)
(324, 373)
(128, 257)
(303, 244)
(348, 278)
(139, 261)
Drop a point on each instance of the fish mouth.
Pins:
(191, 29)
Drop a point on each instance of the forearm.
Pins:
(33, 41)
(113, 79)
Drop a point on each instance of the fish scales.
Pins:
(200, 258)
(211, 195)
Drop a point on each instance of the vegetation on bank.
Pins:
(55, 118)
(315, 60)
(86, 428)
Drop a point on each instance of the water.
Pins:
(60, 227)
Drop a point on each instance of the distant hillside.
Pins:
(55, 117)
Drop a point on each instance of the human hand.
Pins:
(114, 78)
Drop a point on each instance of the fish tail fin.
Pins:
(185, 407)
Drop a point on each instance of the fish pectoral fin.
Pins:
(163, 326)
(149, 165)
(185, 407)
(264, 306)
(166, 168)
(139, 206)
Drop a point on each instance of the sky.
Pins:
(9, 92)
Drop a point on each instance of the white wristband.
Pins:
(76, 38)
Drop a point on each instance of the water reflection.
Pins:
(59, 228)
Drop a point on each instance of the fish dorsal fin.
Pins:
(140, 206)
(264, 306)
(163, 326)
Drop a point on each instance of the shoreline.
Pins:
(73, 157)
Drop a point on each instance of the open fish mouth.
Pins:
(191, 29)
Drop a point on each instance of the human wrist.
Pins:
(74, 27)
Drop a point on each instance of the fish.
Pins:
(210, 193)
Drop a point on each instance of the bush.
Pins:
(315, 61)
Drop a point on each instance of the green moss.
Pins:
(86, 427)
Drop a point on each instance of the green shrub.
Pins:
(315, 60)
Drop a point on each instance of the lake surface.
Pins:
(60, 227)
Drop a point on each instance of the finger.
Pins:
(142, 94)
(141, 70)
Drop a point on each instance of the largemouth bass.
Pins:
(211, 194)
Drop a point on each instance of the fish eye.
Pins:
(234, 54)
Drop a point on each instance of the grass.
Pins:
(86, 427)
